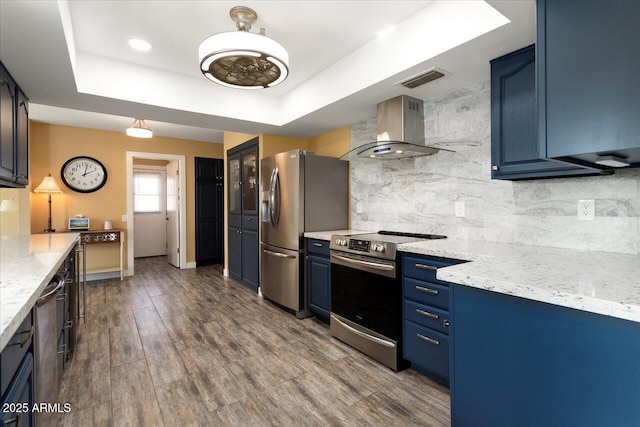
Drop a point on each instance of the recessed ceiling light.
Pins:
(139, 44)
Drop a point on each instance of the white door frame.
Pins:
(182, 179)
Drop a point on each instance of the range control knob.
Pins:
(378, 247)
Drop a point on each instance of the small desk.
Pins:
(91, 237)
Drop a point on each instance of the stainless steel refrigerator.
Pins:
(299, 192)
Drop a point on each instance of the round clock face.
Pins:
(83, 174)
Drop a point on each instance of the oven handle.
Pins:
(375, 265)
(363, 335)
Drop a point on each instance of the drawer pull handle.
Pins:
(427, 314)
(429, 340)
(24, 341)
(15, 420)
(426, 267)
(427, 290)
(318, 245)
(61, 348)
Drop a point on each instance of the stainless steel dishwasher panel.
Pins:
(47, 373)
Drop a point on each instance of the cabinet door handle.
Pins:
(24, 341)
(494, 168)
(427, 290)
(426, 267)
(318, 245)
(427, 314)
(62, 347)
(429, 340)
(15, 420)
(446, 323)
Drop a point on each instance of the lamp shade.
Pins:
(48, 185)
(139, 129)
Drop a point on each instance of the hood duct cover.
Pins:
(400, 132)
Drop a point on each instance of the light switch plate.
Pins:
(460, 211)
(124, 218)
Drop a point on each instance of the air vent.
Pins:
(420, 79)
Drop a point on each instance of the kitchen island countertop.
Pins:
(598, 282)
(27, 264)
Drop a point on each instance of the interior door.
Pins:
(173, 215)
(149, 212)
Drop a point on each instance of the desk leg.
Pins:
(121, 256)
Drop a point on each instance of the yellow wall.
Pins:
(52, 145)
(331, 144)
(150, 162)
(274, 144)
(14, 213)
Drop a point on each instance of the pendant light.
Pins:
(241, 59)
(139, 129)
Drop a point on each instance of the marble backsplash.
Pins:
(419, 194)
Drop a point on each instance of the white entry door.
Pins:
(149, 211)
(173, 214)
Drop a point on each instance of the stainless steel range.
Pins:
(366, 293)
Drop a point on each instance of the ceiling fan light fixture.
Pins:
(139, 129)
(241, 59)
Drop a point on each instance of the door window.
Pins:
(147, 192)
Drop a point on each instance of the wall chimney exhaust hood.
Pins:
(400, 132)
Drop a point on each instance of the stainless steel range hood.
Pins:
(400, 132)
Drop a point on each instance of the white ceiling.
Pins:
(72, 59)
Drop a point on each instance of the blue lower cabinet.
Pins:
(18, 401)
(524, 363)
(426, 311)
(427, 350)
(319, 278)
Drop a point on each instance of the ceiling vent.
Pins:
(422, 78)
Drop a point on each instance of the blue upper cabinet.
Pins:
(514, 132)
(588, 65)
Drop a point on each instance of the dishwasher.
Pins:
(56, 312)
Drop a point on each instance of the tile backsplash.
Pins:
(419, 194)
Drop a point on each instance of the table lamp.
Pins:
(48, 185)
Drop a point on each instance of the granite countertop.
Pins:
(27, 264)
(597, 282)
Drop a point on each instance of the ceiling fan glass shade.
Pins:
(245, 60)
(139, 129)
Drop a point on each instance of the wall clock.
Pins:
(83, 174)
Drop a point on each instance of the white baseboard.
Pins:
(103, 276)
(225, 272)
(190, 265)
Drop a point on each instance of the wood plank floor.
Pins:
(171, 347)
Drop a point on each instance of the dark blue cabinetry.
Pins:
(523, 363)
(319, 278)
(243, 242)
(425, 308)
(17, 378)
(588, 66)
(515, 151)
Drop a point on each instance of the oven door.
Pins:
(367, 292)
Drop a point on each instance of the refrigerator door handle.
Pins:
(273, 206)
(278, 254)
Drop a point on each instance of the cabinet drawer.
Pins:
(424, 268)
(426, 348)
(250, 223)
(318, 247)
(428, 316)
(426, 292)
(235, 221)
(14, 352)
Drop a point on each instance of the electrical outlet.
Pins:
(124, 218)
(359, 207)
(460, 209)
(587, 209)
